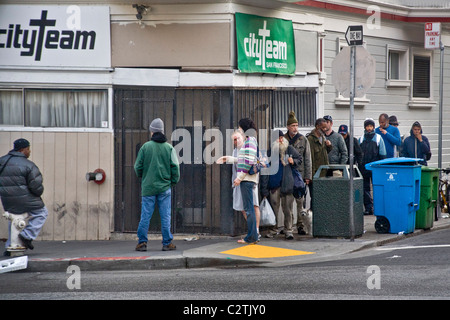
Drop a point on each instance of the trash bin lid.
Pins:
(429, 169)
(394, 161)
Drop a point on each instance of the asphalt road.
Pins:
(413, 268)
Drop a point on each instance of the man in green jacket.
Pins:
(320, 147)
(157, 165)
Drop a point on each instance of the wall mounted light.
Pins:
(141, 9)
(98, 176)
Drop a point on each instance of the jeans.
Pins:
(247, 199)
(35, 223)
(164, 200)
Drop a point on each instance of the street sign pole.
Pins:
(354, 37)
(352, 106)
(361, 80)
(441, 89)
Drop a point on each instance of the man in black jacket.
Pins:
(21, 189)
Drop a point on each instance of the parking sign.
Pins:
(432, 35)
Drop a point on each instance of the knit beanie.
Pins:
(157, 125)
(292, 119)
(21, 144)
(369, 121)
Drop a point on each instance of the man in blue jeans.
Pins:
(21, 188)
(157, 165)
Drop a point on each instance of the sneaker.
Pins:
(289, 236)
(26, 242)
(301, 232)
(7, 254)
(169, 247)
(141, 246)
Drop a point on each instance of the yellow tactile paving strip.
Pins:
(259, 251)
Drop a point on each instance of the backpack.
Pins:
(256, 168)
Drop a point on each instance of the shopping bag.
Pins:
(267, 217)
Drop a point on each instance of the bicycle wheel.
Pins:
(382, 225)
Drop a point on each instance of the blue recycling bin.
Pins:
(396, 193)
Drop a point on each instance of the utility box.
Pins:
(331, 202)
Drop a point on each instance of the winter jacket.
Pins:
(20, 184)
(157, 165)
(283, 177)
(391, 138)
(319, 151)
(301, 144)
(413, 148)
(357, 152)
(339, 153)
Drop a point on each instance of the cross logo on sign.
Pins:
(354, 35)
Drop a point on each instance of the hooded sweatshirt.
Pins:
(413, 148)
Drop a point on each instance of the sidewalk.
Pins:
(203, 251)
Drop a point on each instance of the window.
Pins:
(54, 108)
(422, 73)
(397, 66)
(421, 77)
(394, 59)
(11, 111)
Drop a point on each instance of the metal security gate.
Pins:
(195, 121)
(134, 110)
(201, 201)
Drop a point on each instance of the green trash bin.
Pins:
(331, 202)
(429, 192)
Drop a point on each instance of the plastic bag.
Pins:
(267, 217)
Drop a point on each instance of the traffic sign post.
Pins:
(354, 35)
(353, 85)
(433, 41)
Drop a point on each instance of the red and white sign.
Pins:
(432, 35)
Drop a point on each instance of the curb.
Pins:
(133, 263)
(181, 261)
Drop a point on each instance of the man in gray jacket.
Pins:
(301, 144)
(339, 153)
(21, 189)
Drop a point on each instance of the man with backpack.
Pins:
(373, 149)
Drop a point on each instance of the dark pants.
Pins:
(368, 200)
(247, 199)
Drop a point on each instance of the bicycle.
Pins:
(444, 190)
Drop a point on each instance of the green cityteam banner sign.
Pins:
(265, 45)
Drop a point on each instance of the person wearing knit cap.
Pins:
(21, 188)
(291, 119)
(157, 125)
(157, 165)
(301, 144)
(373, 149)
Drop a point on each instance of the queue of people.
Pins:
(323, 146)
(157, 165)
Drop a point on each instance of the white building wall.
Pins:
(382, 98)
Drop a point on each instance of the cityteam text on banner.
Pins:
(265, 45)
